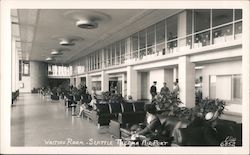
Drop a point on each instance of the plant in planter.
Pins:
(169, 103)
(211, 105)
(201, 109)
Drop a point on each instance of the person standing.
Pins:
(165, 90)
(153, 90)
(176, 89)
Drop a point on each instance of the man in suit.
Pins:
(153, 90)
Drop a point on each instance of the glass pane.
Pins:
(172, 27)
(222, 16)
(151, 50)
(142, 39)
(151, 36)
(135, 42)
(113, 54)
(238, 30)
(160, 32)
(142, 53)
(223, 34)
(189, 21)
(202, 39)
(160, 49)
(118, 52)
(238, 14)
(122, 47)
(201, 19)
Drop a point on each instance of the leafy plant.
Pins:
(169, 103)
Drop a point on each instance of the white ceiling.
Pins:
(38, 29)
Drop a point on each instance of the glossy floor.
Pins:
(35, 121)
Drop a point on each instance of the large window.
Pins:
(222, 16)
(160, 37)
(201, 19)
(226, 87)
(172, 33)
(151, 40)
(118, 53)
(123, 49)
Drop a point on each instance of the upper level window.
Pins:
(238, 14)
(222, 16)
(160, 32)
(172, 27)
(134, 42)
(142, 39)
(201, 19)
(151, 36)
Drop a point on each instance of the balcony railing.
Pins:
(216, 35)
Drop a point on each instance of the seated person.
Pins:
(130, 99)
(152, 124)
(86, 99)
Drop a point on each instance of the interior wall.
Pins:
(169, 78)
(38, 77)
(221, 68)
(38, 74)
(145, 94)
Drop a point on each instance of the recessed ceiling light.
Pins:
(67, 43)
(55, 52)
(86, 24)
(87, 19)
(50, 59)
(67, 40)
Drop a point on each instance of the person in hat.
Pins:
(153, 90)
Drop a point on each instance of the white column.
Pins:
(182, 28)
(104, 81)
(133, 86)
(175, 74)
(78, 81)
(89, 83)
(123, 84)
(187, 81)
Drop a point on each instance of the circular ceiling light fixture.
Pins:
(87, 19)
(86, 24)
(67, 40)
(49, 59)
(56, 52)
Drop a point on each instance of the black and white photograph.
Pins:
(124, 77)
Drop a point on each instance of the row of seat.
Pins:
(106, 111)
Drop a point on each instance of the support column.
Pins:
(104, 81)
(89, 83)
(78, 81)
(175, 74)
(187, 81)
(133, 86)
(123, 84)
(182, 28)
